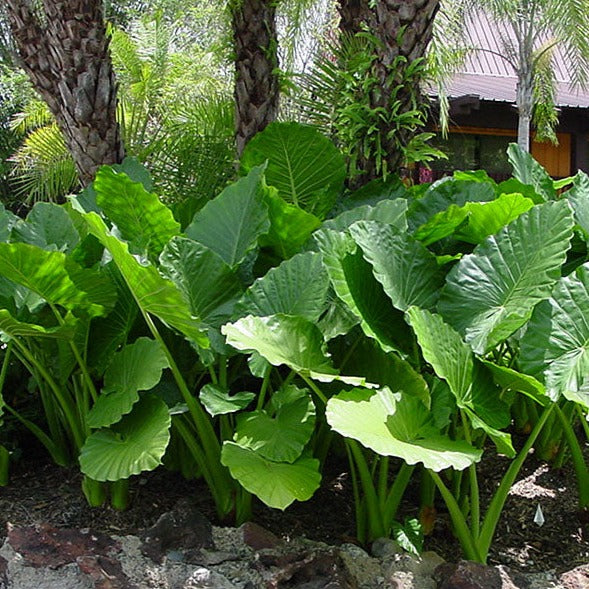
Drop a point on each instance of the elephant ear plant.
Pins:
(466, 323)
(184, 286)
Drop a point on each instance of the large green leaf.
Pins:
(555, 346)
(7, 221)
(111, 406)
(492, 292)
(528, 171)
(304, 165)
(472, 387)
(136, 444)
(391, 212)
(397, 425)
(445, 192)
(49, 227)
(14, 328)
(512, 380)
(137, 367)
(219, 402)
(108, 333)
(282, 435)
(444, 349)
(285, 339)
(486, 218)
(578, 196)
(408, 272)
(209, 285)
(290, 226)
(153, 293)
(56, 279)
(277, 484)
(142, 220)
(297, 287)
(386, 369)
(441, 225)
(354, 283)
(231, 224)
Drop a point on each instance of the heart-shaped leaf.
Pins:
(297, 287)
(396, 425)
(231, 224)
(281, 436)
(135, 444)
(492, 292)
(277, 484)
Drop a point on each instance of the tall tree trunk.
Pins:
(64, 49)
(256, 62)
(402, 28)
(352, 13)
(525, 106)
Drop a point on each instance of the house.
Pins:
(483, 116)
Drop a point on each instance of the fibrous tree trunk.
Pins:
(63, 47)
(256, 67)
(402, 28)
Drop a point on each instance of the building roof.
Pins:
(485, 74)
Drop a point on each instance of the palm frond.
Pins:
(545, 115)
(43, 167)
(193, 158)
(34, 114)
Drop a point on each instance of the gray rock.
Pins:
(203, 578)
(364, 569)
(384, 547)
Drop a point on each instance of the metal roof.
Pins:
(502, 89)
(490, 77)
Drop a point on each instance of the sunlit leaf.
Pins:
(277, 484)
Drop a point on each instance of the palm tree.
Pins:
(174, 114)
(257, 87)
(63, 47)
(370, 86)
(529, 32)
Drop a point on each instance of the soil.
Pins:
(40, 492)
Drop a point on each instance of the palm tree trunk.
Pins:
(256, 67)
(63, 47)
(525, 105)
(402, 29)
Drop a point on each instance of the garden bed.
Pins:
(40, 492)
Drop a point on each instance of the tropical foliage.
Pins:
(240, 348)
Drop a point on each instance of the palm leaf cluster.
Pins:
(173, 114)
(542, 41)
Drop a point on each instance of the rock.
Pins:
(384, 547)
(472, 575)
(467, 575)
(3, 573)
(104, 573)
(184, 528)
(578, 578)
(46, 546)
(205, 579)
(20, 576)
(257, 537)
(91, 558)
(407, 571)
(365, 570)
(314, 569)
